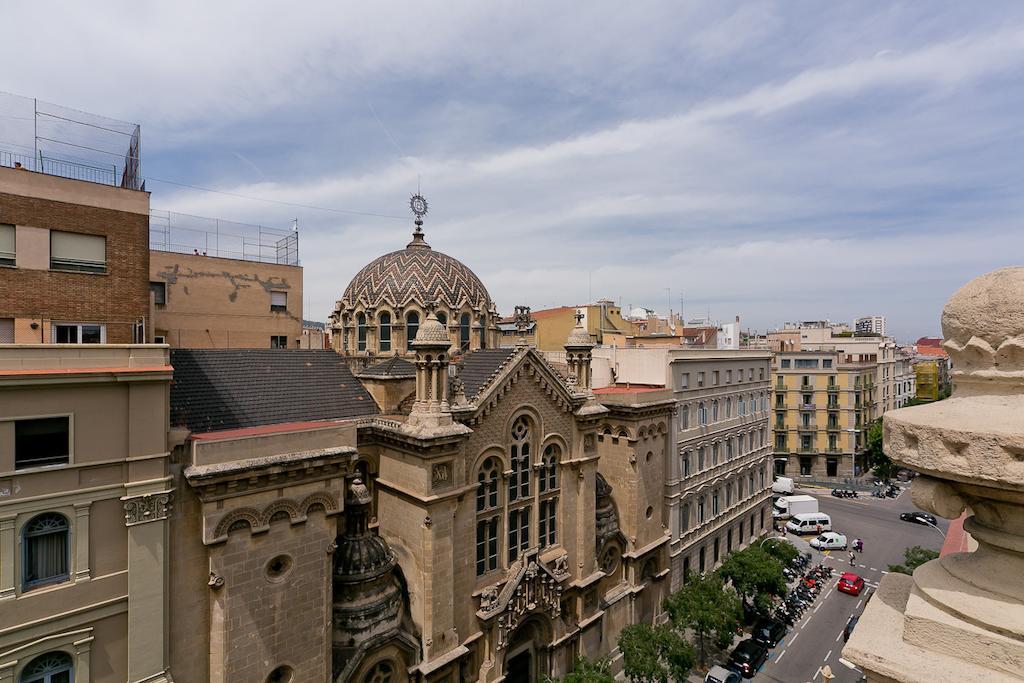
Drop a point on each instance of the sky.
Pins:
(776, 161)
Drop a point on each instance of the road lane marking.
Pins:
(827, 656)
(816, 608)
(793, 639)
(816, 674)
(858, 604)
(884, 572)
(848, 664)
(781, 655)
(839, 636)
(827, 594)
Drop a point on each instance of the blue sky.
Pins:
(776, 161)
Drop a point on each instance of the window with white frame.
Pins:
(79, 333)
(8, 255)
(702, 413)
(77, 251)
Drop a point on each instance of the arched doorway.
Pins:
(526, 659)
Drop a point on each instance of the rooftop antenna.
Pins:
(295, 225)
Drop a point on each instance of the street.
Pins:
(817, 639)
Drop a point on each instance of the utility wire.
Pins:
(278, 201)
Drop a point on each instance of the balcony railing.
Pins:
(807, 406)
(808, 427)
(807, 451)
(833, 388)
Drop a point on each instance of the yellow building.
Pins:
(822, 407)
(927, 376)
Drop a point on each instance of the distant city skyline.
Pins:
(773, 161)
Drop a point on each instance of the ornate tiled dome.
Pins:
(416, 274)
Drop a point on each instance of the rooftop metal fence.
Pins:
(185, 234)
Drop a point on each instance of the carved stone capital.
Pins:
(147, 508)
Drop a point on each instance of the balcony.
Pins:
(808, 427)
(834, 427)
(833, 388)
(806, 387)
(807, 406)
(807, 450)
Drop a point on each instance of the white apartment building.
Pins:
(871, 323)
(718, 479)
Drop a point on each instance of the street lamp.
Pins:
(772, 538)
(933, 526)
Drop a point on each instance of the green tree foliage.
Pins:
(706, 607)
(880, 463)
(753, 572)
(654, 654)
(783, 551)
(587, 671)
(912, 559)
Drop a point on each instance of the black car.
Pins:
(748, 657)
(768, 631)
(918, 518)
(850, 624)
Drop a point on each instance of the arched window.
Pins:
(714, 411)
(728, 408)
(714, 504)
(483, 332)
(684, 417)
(442, 317)
(382, 672)
(700, 510)
(45, 542)
(53, 667)
(412, 326)
(742, 406)
(384, 339)
(548, 489)
(487, 517)
(753, 404)
(684, 519)
(702, 413)
(464, 332)
(361, 332)
(519, 490)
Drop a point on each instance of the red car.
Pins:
(851, 583)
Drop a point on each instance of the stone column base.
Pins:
(878, 644)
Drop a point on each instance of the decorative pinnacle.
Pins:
(419, 207)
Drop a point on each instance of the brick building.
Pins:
(74, 260)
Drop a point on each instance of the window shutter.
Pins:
(75, 249)
(279, 299)
(6, 330)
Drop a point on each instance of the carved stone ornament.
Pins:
(441, 474)
(531, 588)
(147, 508)
(216, 581)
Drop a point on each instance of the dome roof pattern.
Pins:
(416, 274)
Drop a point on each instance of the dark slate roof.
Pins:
(393, 367)
(314, 324)
(476, 368)
(216, 389)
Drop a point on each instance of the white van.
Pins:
(809, 523)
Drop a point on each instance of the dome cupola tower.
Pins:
(384, 305)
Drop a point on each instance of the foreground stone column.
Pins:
(961, 617)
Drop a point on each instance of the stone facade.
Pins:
(960, 617)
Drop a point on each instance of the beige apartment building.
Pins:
(239, 287)
(84, 498)
(821, 409)
(717, 478)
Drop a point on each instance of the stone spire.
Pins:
(578, 351)
(961, 617)
(431, 344)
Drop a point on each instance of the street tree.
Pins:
(880, 463)
(912, 559)
(753, 572)
(782, 550)
(708, 608)
(654, 654)
(586, 671)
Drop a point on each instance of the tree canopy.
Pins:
(654, 654)
(708, 608)
(912, 559)
(880, 463)
(587, 671)
(753, 572)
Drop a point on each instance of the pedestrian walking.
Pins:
(853, 559)
(860, 545)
